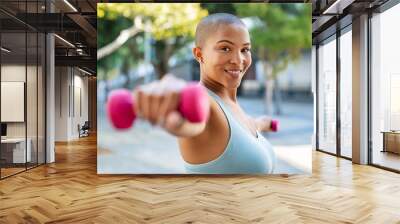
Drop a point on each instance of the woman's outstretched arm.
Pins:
(158, 103)
(263, 123)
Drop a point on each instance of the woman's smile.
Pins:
(234, 73)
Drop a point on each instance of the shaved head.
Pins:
(209, 25)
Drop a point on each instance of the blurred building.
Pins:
(294, 80)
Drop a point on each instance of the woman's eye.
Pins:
(225, 49)
(246, 50)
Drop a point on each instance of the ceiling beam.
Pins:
(81, 61)
(86, 27)
(337, 7)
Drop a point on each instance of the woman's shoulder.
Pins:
(212, 142)
(217, 119)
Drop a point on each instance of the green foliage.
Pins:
(125, 56)
(219, 8)
(281, 32)
(171, 27)
(167, 20)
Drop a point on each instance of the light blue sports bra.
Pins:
(244, 153)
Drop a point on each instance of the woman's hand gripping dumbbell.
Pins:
(267, 124)
(170, 103)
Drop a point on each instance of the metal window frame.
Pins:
(339, 32)
(387, 5)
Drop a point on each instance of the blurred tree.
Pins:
(219, 8)
(104, 65)
(123, 58)
(279, 34)
(171, 26)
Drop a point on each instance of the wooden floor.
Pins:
(10, 171)
(388, 159)
(70, 191)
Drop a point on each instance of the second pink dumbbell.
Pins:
(193, 105)
(274, 125)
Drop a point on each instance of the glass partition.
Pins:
(14, 151)
(385, 84)
(327, 95)
(31, 99)
(346, 93)
(32, 73)
(22, 89)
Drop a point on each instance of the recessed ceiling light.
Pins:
(70, 5)
(64, 40)
(84, 71)
(338, 6)
(5, 49)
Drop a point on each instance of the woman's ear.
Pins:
(197, 54)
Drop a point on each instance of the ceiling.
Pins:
(74, 22)
(330, 15)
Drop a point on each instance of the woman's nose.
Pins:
(237, 58)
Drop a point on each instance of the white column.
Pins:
(50, 100)
(62, 103)
(50, 92)
(360, 90)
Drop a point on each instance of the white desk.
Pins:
(19, 149)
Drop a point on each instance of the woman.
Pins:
(229, 142)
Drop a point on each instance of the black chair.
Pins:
(84, 130)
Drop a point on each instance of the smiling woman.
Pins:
(220, 48)
(223, 52)
(229, 140)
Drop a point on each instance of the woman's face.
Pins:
(226, 55)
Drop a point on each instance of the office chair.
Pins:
(84, 130)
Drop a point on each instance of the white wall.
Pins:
(33, 126)
(12, 101)
(62, 81)
(14, 73)
(71, 93)
(80, 109)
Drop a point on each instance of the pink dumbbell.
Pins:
(193, 105)
(274, 125)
